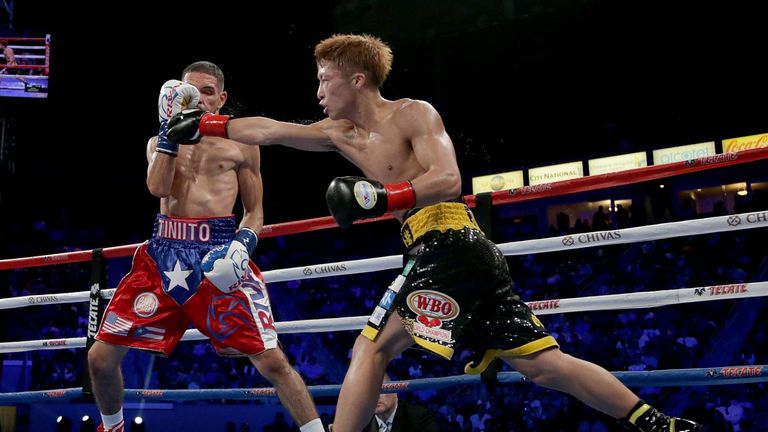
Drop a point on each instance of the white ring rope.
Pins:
(577, 241)
(27, 47)
(596, 238)
(28, 56)
(39, 77)
(710, 225)
(542, 307)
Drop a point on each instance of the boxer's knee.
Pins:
(105, 359)
(545, 368)
(272, 364)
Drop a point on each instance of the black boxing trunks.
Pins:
(455, 288)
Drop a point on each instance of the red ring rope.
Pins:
(527, 193)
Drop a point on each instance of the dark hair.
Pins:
(208, 68)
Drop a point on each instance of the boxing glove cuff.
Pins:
(248, 238)
(163, 144)
(400, 196)
(214, 125)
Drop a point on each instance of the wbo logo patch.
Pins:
(432, 307)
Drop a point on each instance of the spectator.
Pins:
(600, 220)
(622, 216)
(394, 415)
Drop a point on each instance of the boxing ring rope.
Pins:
(658, 378)
(675, 377)
(710, 225)
(526, 193)
(638, 300)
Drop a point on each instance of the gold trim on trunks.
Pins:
(437, 217)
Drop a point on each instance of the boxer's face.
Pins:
(211, 99)
(336, 90)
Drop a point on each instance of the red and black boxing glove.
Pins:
(353, 198)
(188, 126)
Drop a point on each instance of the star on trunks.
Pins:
(178, 277)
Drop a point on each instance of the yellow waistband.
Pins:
(438, 217)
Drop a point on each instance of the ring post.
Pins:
(95, 310)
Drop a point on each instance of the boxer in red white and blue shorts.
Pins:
(166, 290)
(196, 267)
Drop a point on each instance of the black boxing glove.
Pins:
(188, 126)
(353, 198)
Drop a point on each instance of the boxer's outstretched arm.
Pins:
(188, 126)
(266, 131)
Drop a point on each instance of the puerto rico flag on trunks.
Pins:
(180, 272)
(155, 333)
(178, 246)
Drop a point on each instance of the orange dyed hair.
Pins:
(357, 53)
